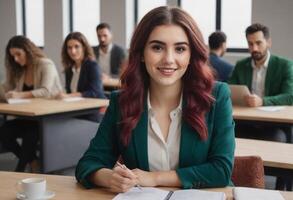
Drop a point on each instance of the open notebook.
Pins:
(147, 193)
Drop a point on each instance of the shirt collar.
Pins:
(74, 70)
(150, 110)
(266, 63)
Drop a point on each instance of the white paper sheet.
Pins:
(145, 193)
(151, 193)
(18, 101)
(72, 99)
(243, 193)
(271, 108)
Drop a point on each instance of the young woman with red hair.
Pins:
(171, 123)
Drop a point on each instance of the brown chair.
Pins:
(248, 172)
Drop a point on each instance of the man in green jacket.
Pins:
(270, 81)
(269, 77)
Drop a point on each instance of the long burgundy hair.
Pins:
(197, 80)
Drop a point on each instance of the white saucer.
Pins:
(47, 195)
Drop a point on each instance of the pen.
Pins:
(124, 167)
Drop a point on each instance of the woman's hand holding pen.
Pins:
(145, 178)
(122, 179)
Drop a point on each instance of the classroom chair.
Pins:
(248, 171)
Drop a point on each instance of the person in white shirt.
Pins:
(111, 57)
(170, 124)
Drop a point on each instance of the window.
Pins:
(145, 6)
(34, 21)
(19, 17)
(204, 13)
(86, 16)
(215, 15)
(235, 26)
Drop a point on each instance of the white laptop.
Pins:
(238, 92)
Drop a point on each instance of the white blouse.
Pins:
(75, 78)
(164, 155)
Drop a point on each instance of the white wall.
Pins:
(54, 32)
(7, 30)
(278, 16)
(113, 12)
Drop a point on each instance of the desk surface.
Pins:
(38, 107)
(273, 154)
(112, 82)
(246, 113)
(66, 187)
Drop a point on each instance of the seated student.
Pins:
(29, 74)
(111, 57)
(269, 78)
(82, 73)
(217, 45)
(171, 123)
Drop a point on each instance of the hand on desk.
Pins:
(61, 95)
(18, 95)
(145, 178)
(253, 100)
(122, 179)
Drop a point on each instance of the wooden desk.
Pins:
(282, 118)
(273, 154)
(111, 83)
(66, 187)
(58, 129)
(40, 107)
(253, 114)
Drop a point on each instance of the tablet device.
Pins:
(238, 92)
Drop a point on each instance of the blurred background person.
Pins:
(217, 45)
(29, 74)
(110, 56)
(82, 73)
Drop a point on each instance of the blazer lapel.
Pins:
(140, 138)
(269, 75)
(249, 74)
(187, 143)
(82, 73)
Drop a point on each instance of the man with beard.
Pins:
(217, 45)
(270, 80)
(269, 77)
(110, 57)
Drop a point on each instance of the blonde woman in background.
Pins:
(29, 74)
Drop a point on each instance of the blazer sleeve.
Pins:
(286, 89)
(103, 149)
(50, 83)
(217, 170)
(94, 86)
(234, 75)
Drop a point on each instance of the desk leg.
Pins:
(289, 132)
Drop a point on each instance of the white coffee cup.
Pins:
(32, 188)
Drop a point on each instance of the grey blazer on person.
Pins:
(118, 55)
(46, 80)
